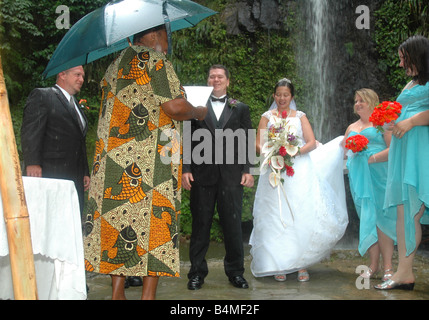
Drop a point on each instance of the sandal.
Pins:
(369, 274)
(387, 275)
(280, 277)
(303, 276)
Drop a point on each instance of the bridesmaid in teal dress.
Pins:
(407, 190)
(367, 172)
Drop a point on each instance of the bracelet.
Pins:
(375, 160)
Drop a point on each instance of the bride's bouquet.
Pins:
(280, 149)
(385, 112)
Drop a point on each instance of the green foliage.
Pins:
(29, 36)
(256, 61)
(395, 22)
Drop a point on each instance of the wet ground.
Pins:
(332, 279)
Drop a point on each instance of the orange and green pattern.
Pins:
(133, 207)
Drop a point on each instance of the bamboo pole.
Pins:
(14, 205)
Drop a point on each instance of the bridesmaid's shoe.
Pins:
(369, 274)
(390, 285)
(387, 275)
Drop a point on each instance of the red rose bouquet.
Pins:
(357, 143)
(385, 112)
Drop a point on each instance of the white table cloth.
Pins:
(56, 237)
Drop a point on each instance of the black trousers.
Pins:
(229, 202)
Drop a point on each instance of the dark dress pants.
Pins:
(228, 200)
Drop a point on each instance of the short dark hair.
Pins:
(219, 66)
(141, 34)
(416, 53)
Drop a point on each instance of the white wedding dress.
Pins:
(283, 241)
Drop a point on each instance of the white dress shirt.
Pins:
(218, 107)
(68, 96)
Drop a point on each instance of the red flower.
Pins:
(282, 151)
(284, 114)
(82, 103)
(289, 171)
(385, 112)
(357, 143)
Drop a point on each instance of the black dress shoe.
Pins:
(134, 281)
(239, 282)
(195, 283)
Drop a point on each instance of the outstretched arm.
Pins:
(180, 109)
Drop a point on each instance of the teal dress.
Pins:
(368, 188)
(408, 172)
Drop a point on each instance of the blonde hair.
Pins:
(369, 96)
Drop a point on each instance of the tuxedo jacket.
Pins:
(226, 157)
(52, 137)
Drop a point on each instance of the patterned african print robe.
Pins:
(131, 226)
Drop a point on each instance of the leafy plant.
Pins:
(395, 22)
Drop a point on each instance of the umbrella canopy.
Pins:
(106, 29)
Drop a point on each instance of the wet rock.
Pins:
(248, 16)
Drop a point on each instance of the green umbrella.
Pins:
(105, 30)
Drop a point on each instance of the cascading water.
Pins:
(324, 95)
(316, 66)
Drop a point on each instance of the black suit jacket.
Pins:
(226, 146)
(52, 137)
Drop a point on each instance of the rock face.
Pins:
(335, 58)
(346, 58)
(248, 16)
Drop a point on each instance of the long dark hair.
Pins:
(416, 53)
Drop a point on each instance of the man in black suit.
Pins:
(53, 132)
(218, 179)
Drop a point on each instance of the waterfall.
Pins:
(316, 66)
(326, 70)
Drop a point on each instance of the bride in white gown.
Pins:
(295, 230)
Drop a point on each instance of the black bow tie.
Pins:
(213, 99)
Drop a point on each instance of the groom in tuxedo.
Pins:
(53, 132)
(219, 180)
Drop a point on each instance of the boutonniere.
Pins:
(232, 102)
(83, 104)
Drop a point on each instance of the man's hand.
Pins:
(200, 113)
(247, 180)
(34, 171)
(187, 178)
